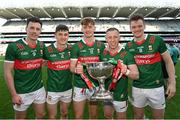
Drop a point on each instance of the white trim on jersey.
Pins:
(55, 45)
(144, 37)
(8, 61)
(24, 40)
(74, 59)
(119, 45)
(85, 41)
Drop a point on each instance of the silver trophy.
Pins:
(100, 71)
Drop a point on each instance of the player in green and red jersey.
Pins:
(119, 87)
(24, 57)
(87, 50)
(148, 50)
(59, 84)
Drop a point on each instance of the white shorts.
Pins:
(153, 97)
(55, 97)
(119, 106)
(37, 97)
(81, 94)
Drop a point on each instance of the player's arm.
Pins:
(73, 63)
(8, 69)
(132, 72)
(171, 88)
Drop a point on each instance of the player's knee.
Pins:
(138, 115)
(108, 116)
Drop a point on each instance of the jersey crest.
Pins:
(122, 55)
(41, 44)
(80, 45)
(20, 46)
(50, 49)
(152, 39)
(105, 52)
(129, 44)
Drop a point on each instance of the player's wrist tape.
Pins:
(127, 72)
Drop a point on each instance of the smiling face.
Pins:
(62, 37)
(33, 30)
(88, 30)
(112, 38)
(137, 28)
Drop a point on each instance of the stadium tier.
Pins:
(13, 30)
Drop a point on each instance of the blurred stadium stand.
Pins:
(163, 21)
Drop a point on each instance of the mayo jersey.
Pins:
(86, 54)
(148, 59)
(58, 62)
(27, 65)
(121, 91)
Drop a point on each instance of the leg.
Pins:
(39, 110)
(121, 115)
(20, 110)
(79, 100)
(139, 101)
(52, 110)
(108, 111)
(64, 110)
(138, 113)
(39, 103)
(20, 114)
(120, 108)
(158, 113)
(93, 109)
(65, 100)
(157, 102)
(79, 109)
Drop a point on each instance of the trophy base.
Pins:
(105, 96)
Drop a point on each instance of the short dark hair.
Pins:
(112, 29)
(61, 27)
(34, 19)
(87, 20)
(136, 17)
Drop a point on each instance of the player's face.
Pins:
(88, 30)
(137, 28)
(33, 30)
(112, 38)
(62, 37)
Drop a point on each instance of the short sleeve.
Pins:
(10, 52)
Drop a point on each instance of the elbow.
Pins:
(136, 76)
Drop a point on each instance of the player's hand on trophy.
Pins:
(116, 73)
(79, 68)
(113, 85)
(122, 67)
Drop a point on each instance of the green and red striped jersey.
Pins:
(58, 62)
(27, 65)
(147, 56)
(86, 54)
